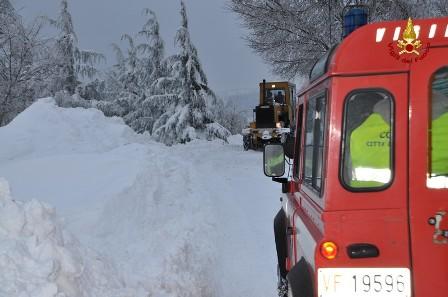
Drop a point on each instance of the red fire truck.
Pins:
(365, 206)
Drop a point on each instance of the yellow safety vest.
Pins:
(439, 145)
(370, 153)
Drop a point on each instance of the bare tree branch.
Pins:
(291, 34)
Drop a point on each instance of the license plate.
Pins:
(364, 282)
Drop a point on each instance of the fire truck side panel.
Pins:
(407, 219)
(302, 239)
(304, 214)
(385, 229)
(338, 198)
(377, 218)
(430, 252)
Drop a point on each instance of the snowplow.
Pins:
(273, 116)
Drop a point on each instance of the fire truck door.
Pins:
(428, 173)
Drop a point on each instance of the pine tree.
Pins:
(70, 61)
(137, 72)
(153, 50)
(128, 69)
(188, 116)
(153, 102)
(6, 9)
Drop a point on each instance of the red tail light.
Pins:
(329, 250)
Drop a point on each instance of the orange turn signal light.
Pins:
(329, 250)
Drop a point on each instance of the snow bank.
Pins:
(236, 140)
(179, 221)
(38, 258)
(47, 129)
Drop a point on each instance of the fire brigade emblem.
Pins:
(409, 44)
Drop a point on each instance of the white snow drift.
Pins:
(139, 218)
(38, 258)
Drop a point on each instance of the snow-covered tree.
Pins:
(188, 114)
(128, 69)
(23, 64)
(6, 9)
(70, 61)
(153, 50)
(169, 98)
(153, 103)
(291, 34)
(137, 72)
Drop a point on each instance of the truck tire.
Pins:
(282, 284)
(247, 143)
(280, 241)
(299, 280)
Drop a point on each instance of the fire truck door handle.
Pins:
(438, 233)
(435, 221)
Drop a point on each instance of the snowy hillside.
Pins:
(131, 217)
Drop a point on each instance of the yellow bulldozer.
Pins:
(273, 117)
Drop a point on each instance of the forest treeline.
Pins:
(168, 96)
(165, 96)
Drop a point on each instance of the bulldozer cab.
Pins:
(276, 93)
(277, 103)
(273, 116)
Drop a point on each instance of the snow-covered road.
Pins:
(188, 220)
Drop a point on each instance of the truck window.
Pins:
(314, 142)
(298, 141)
(438, 131)
(293, 106)
(274, 96)
(367, 140)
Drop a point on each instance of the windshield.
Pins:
(275, 96)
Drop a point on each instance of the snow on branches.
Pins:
(191, 117)
(69, 61)
(167, 97)
(24, 63)
(291, 35)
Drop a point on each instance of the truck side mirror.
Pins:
(274, 160)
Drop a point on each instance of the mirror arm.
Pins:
(282, 180)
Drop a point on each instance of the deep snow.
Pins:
(132, 217)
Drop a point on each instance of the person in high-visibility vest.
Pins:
(439, 135)
(370, 149)
(439, 145)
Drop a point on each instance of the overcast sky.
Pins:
(228, 62)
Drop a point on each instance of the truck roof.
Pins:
(373, 48)
(280, 84)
